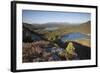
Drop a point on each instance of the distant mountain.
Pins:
(56, 24)
(87, 24)
(63, 24)
(32, 26)
(69, 27)
(86, 27)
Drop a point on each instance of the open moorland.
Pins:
(56, 42)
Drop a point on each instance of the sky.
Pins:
(40, 17)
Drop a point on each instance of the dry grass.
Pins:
(85, 42)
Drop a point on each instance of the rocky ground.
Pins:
(42, 51)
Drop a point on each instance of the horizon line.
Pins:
(57, 22)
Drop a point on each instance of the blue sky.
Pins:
(32, 16)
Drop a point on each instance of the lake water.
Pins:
(35, 37)
(74, 36)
